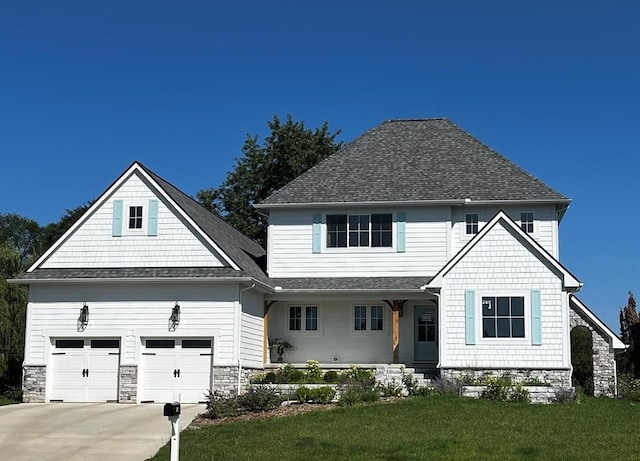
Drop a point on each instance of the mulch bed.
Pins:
(285, 410)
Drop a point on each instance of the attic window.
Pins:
(471, 221)
(135, 217)
(526, 222)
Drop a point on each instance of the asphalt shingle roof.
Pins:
(352, 283)
(414, 160)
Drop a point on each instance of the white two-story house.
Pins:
(415, 244)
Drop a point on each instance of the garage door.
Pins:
(85, 370)
(176, 369)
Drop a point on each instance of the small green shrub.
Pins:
(424, 391)
(354, 394)
(290, 375)
(629, 388)
(446, 386)
(324, 394)
(409, 382)
(303, 394)
(356, 374)
(259, 398)
(503, 390)
(331, 377)
(518, 394)
(391, 389)
(313, 372)
(221, 405)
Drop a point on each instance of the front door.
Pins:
(425, 333)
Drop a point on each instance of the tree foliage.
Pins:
(582, 358)
(288, 151)
(629, 360)
(22, 234)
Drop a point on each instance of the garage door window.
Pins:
(69, 343)
(105, 343)
(160, 344)
(196, 344)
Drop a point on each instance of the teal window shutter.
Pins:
(401, 231)
(536, 318)
(117, 218)
(470, 316)
(152, 224)
(317, 232)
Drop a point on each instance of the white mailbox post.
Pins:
(172, 411)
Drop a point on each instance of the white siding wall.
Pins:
(335, 336)
(499, 265)
(92, 245)
(290, 246)
(251, 340)
(132, 312)
(544, 229)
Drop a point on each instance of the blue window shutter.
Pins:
(536, 318)
(117, 218)
(470, 316)
(152, 227)
(317, 231)
(402, 222)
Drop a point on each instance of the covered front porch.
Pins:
(347, 325)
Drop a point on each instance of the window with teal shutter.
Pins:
(401, 231)
(536, 318)
(117, 218)
(152, 224)
(470, 316)
(317, 231)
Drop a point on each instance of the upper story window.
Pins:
(503, 316)
(471, 221)
(526, 222)
(359, 230)
(135, 217)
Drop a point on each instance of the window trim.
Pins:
(532, 223)
(303, 319)
(525, 294)
(126, 210)
(471, 223)
(368, 331)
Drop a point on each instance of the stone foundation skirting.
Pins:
(551, 377)
(128, 385)
(537, 394)
(225, 378)
(34, 381)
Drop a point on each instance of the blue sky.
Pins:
(88, 87)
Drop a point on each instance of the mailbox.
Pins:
(172, 409)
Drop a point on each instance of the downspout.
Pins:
(238, 333)
(437, 295)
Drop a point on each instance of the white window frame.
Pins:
(472, 223)
(127, 205)
(303, 319)
(368, 330)
(533, 222)
(368, 247)
(525, 294)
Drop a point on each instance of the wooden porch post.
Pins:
(395, 328)
(265, 330)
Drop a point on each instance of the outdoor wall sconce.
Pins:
(84, 315)
(175, 315)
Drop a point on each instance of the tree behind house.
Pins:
(629, 360)
(290, 150)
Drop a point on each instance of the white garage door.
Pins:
(176, 369)
(85, 370)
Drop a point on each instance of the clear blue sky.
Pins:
(87, 87)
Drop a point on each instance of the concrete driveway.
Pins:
(85, 431)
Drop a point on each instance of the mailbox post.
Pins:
(172, 411)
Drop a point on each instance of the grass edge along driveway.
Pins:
(439, 427)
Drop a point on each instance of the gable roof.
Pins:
(614, 341)
(569, 281)
(240, 254)
(414, 161)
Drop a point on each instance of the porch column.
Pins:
(395, 328)
(265, 330)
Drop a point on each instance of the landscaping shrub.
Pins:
(629, 388)
(331, 377)
(221, 405)
(565, 395)
(290, 375)
(356, 374)
(259, 398)
(313, 372)
(303, 394)
(503, 390)
(391, 389)
(447, 386)
(324, 394)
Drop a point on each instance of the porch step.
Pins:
(388, 374)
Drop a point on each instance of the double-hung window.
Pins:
(135, 217)
(471, 222)
(303, 318)
(503, 317)
(526, 222)
(359, 230)
(368, 318)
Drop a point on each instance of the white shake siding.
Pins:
(335, 336)
(251, 339)
(132, 313)
(93, 244)
(544, 229)
(501, 265)
(291, 255)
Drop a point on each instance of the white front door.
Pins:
(176, 370)
(85, 370)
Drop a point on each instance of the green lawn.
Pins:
(428, 428)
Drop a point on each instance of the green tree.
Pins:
(53, 231)
(629, 360)
(22, 234)
(290, 150)
(582, 358)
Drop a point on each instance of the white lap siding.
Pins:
(251, 335)
(131, 312)
(499, 265)
(291, 254)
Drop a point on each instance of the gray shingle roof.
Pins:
(130, 272)
(352, 283)
(414, 160)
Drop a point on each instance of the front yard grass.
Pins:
(439, 427)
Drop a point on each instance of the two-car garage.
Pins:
(87, 369)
